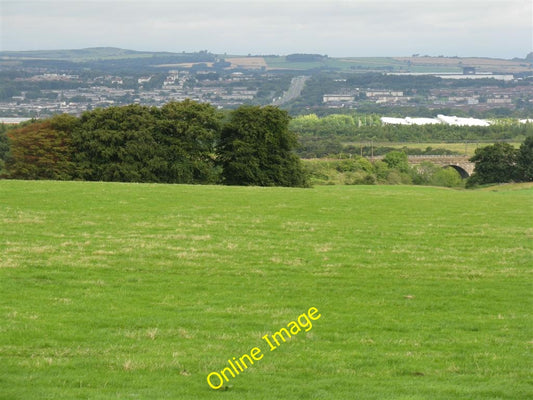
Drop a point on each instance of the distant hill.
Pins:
(81, 55)
(481, 64)
(116, 58)
(109, 59)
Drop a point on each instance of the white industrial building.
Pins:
(441, 119)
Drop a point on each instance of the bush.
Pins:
(397, 160)
(447, 177)
(359, 178)
(381, 171)
(423, 173)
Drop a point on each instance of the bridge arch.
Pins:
(464, 174)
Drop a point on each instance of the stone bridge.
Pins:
(460, 163)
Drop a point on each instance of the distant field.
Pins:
(281, 63)
(139, 291)
(184, 65)
(468, 149)
(396, 64)
(79, 55)
(363, 63)
(404, 64)
(481, 64)
(247, 62)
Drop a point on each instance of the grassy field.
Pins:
(79, 55)
(458, 147)
(138, 291)
(481, 64)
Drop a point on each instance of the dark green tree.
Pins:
(187, 133)
(494, 164)
(524, 160)
(174, 144)
(4, 148)
(117, 144)
(257, 148)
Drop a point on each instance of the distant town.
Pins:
(108, 90)
(40, 85)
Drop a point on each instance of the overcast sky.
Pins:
(491, 28)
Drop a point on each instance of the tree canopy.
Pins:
(4, 147)
(369, 127)
(177, 143)
(494, 164)
(257, 148)
(116, 144)
(174, 144)
(524, 160)
(42, 150)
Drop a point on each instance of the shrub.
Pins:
(447, 177)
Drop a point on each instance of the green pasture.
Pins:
(460, 147)
(357, 64)
(139, 291)
(80, 55)
(364, 63)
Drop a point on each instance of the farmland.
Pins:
(467, 148)
(139, 291)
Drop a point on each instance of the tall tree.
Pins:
(494, 164)
(174, 144)
(257, 148)
(117, 144)
(187, 132)
(43, 150)
(524, 160)
(4, 148)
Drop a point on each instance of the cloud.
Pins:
(338, 28)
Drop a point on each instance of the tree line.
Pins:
(181, 142)
(369, 127)
(191, 142)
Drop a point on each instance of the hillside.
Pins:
(277, 62)
(79, 55)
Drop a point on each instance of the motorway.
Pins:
(294, 91)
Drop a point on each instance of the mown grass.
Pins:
(138, 291)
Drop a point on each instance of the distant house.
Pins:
(500, 100)
(333, 98)
(144, 80)
(383, 93)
